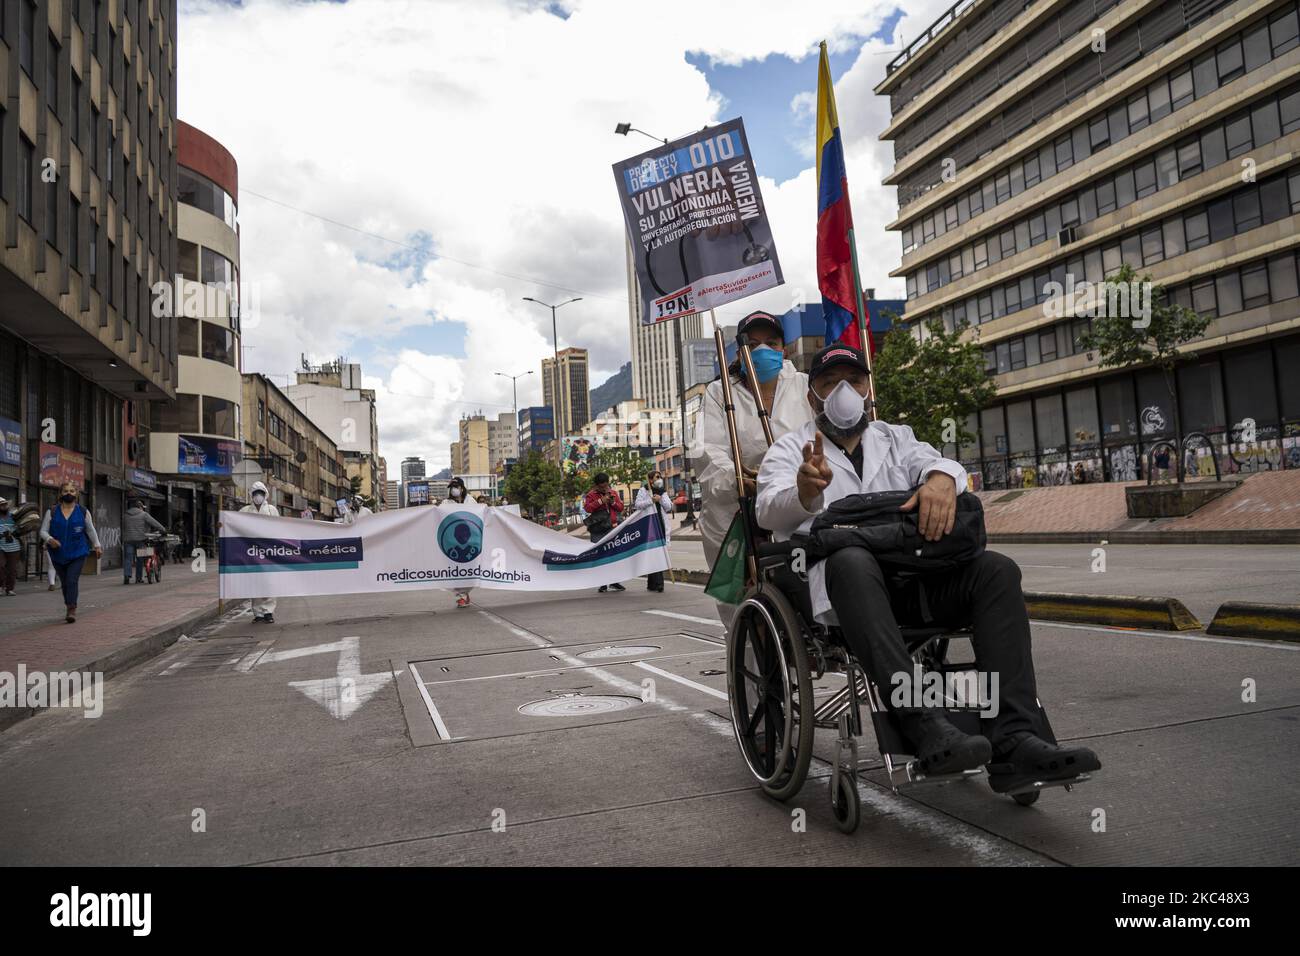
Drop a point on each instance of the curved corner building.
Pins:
(195, 440)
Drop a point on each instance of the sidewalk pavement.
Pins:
(116, 624)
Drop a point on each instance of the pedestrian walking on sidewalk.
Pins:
(135, 528)
(604, 509)
(263, 608)
(10, 549)
(69, 535)
(655, 495)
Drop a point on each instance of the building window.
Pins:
(1189, 153)
(188, 341)
(219, 415)
(93, 151)
(26, 163)
(1203, 297)
(218, 343)
(1245, 210)
(1282, 277)
(52, 212)
(1254, 285)
(75, 110)
(1231, 64)
(74, 233)
(52, 75)
(27, 37)
(181, 415)
(1237, 135)
(187, 260)
(1284, 32)
(1221, 224)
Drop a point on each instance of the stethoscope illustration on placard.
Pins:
(755, 252)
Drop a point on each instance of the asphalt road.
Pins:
(1201, 576)
(311, 741)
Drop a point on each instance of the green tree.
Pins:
(933, 386)
(623, 465)
(534, 483)
(354, 483)
(1128, 339)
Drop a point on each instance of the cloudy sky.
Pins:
(411, 169)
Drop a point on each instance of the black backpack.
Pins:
(873, 521)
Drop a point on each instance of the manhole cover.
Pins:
(577, 705)
(625, 650)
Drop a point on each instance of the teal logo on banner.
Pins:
(460, 536)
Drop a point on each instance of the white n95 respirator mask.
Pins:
(843, 407)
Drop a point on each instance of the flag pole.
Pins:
(864, 332)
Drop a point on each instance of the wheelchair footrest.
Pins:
(1047, 784)
(909, 775)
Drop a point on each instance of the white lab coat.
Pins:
(644, 502)
(712, 445)
(262, 605)
(892, 460)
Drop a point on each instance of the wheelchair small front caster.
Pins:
(846, 805)
(1026, 799)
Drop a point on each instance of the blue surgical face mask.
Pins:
(767, 362)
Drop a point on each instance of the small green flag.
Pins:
(727, 580)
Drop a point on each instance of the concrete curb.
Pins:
(1277, 622)
(136, 651)
(682, 575)
(1256, 536)
(1161, 614)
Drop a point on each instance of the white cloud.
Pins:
(489, 126)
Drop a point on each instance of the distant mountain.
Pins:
(441, 476)
(617, 389)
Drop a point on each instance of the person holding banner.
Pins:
(457, 494)
(263, 608)
(654, 495)
(782, 389)
(604, 509)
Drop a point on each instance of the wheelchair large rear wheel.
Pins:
(769, 689)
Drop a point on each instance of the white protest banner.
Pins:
(446, 546)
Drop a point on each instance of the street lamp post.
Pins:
(555, 386)
(555, 338)
(514, 387)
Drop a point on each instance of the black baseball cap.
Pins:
(836, 354)
(755, 319)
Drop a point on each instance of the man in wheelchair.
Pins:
(844, 453)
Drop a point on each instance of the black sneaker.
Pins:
(602, 589)
(617, 587)
(269, 619)
(1034, 760)
(942, 748)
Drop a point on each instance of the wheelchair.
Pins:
(775, 651)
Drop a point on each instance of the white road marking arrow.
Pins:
(348, 690)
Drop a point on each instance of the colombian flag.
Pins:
(834, 220)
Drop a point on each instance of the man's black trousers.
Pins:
(984, 593)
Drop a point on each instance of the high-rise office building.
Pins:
(536, 428)
(1039, 145)
(88, 152)
(654, 347)
(573, 404)
(412, 469)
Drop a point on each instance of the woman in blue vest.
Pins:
(69, 534)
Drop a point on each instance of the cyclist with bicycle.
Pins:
(136, 524)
